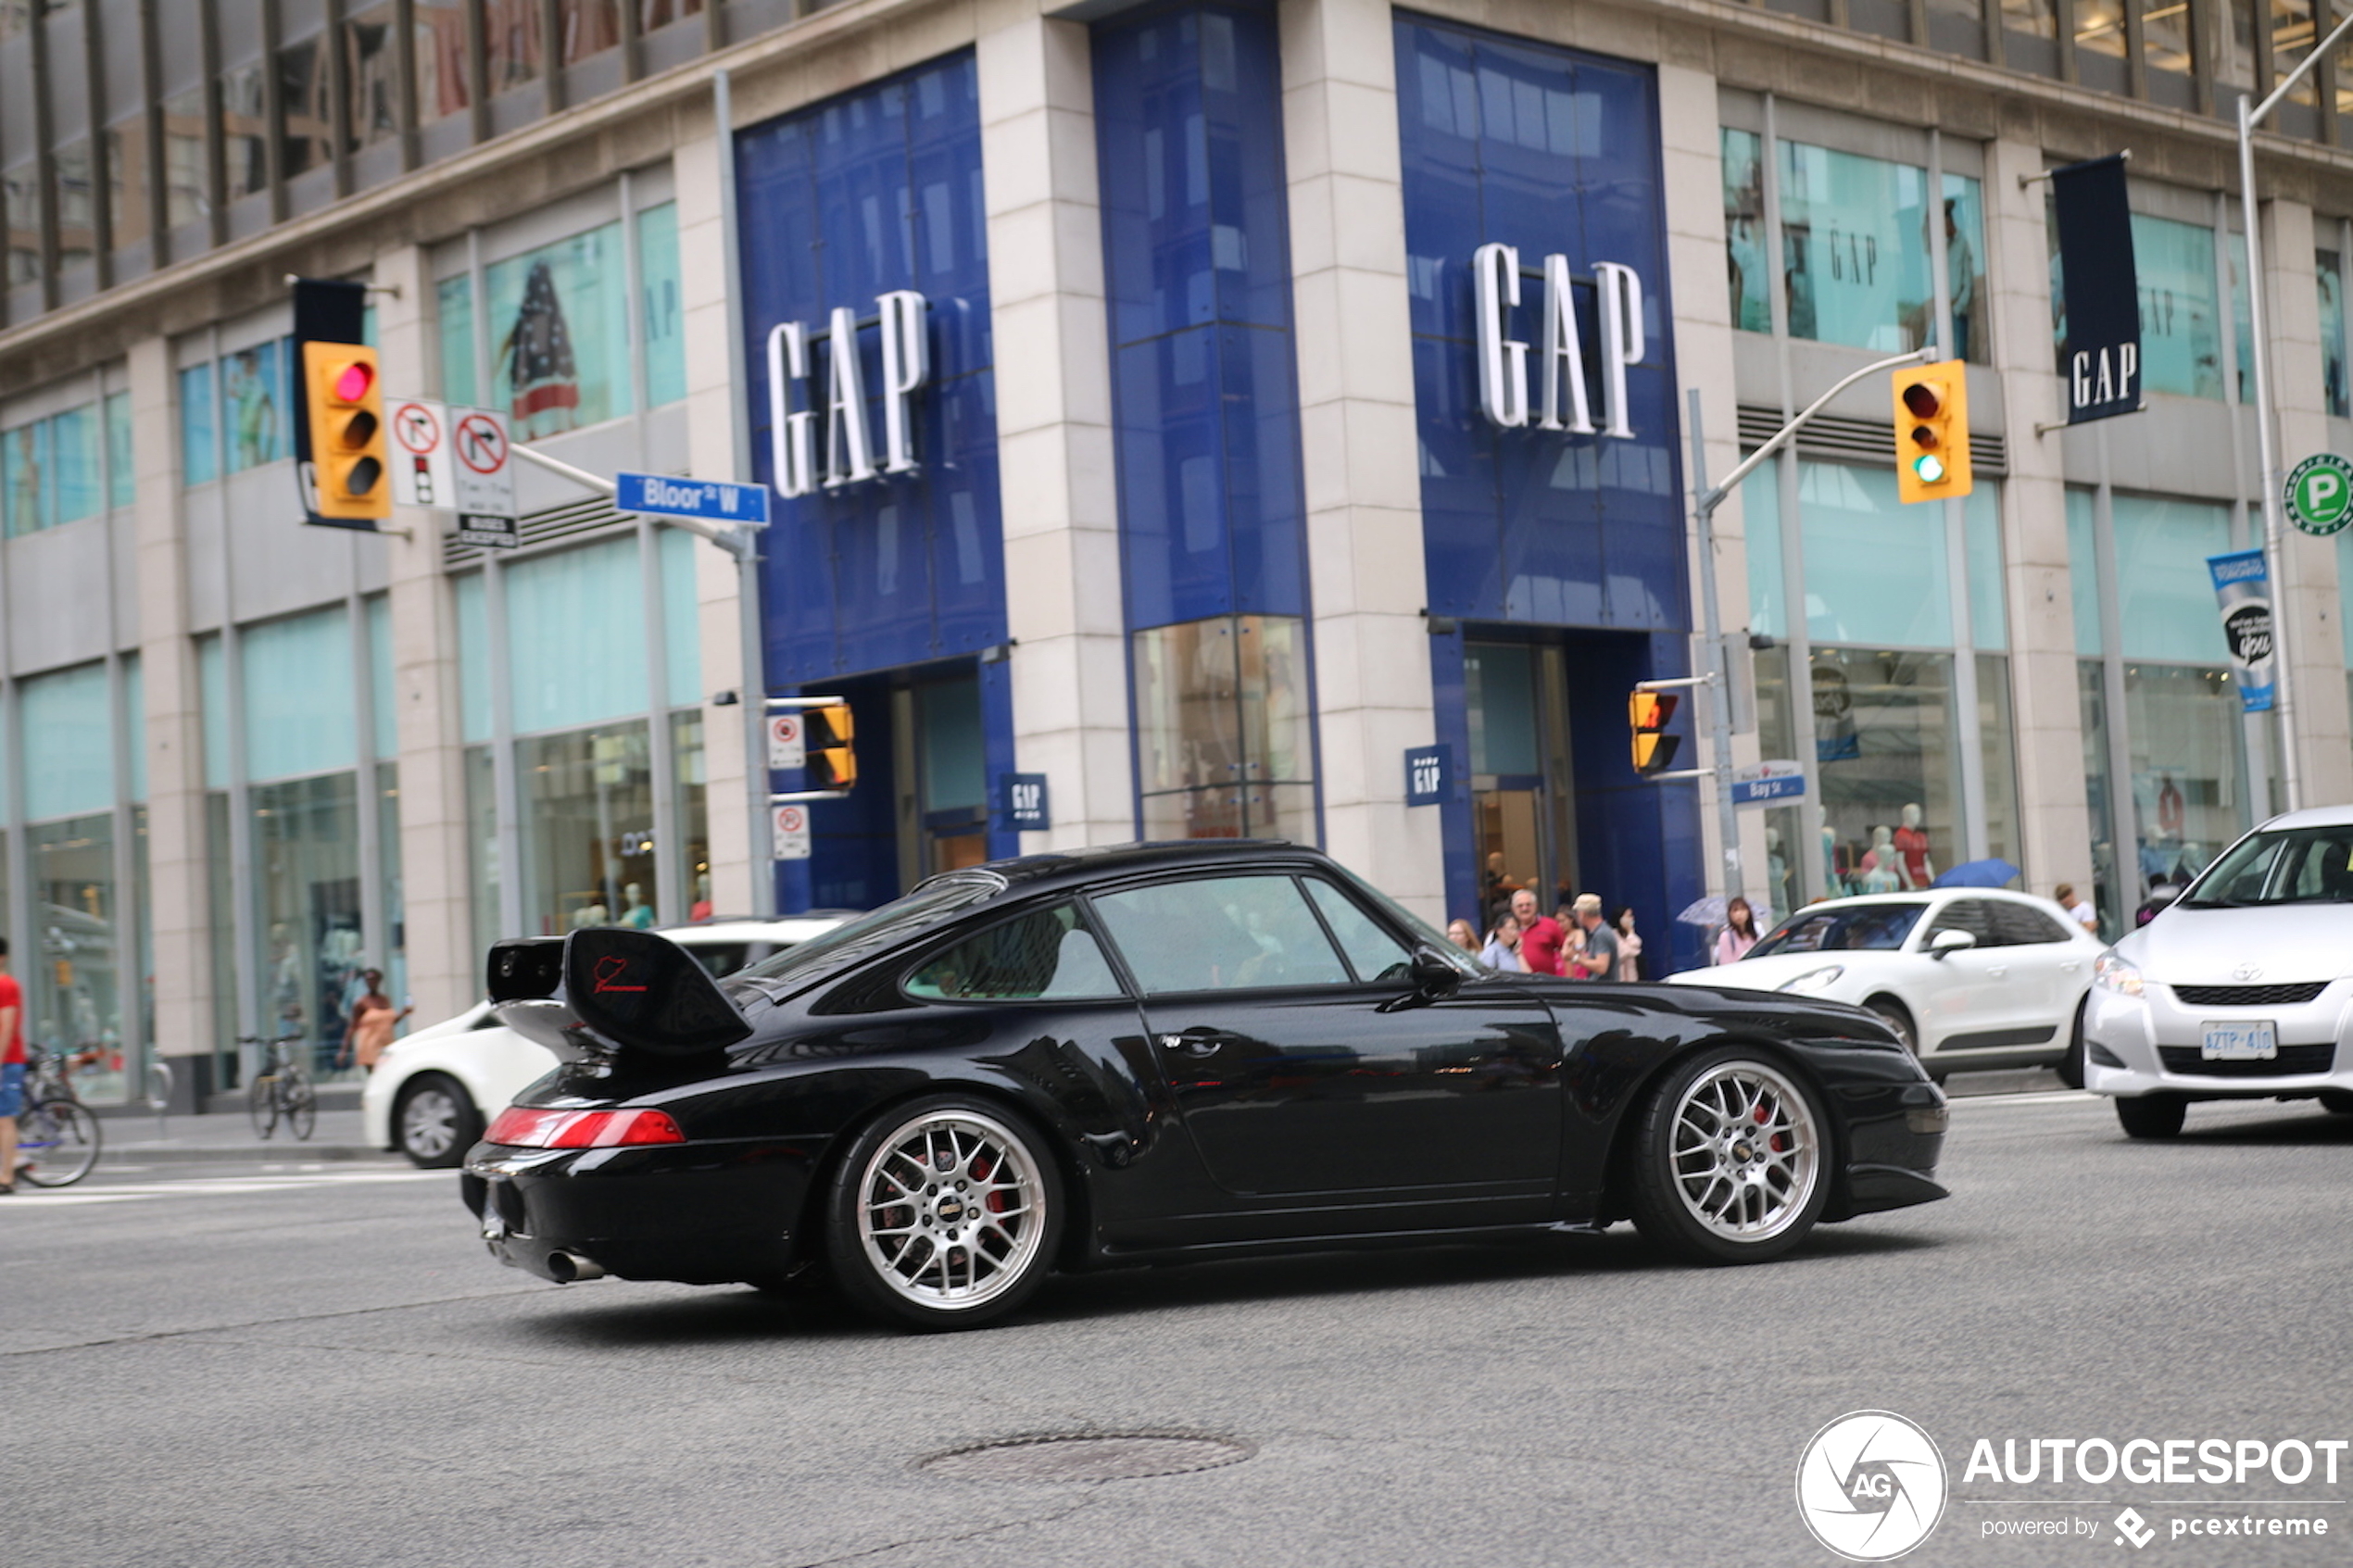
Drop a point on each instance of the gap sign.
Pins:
(661, 495)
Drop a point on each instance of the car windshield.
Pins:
(893, 922)
(2291, 866)
(1857, 927)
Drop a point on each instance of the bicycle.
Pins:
(280, 1090)
(56, 1135)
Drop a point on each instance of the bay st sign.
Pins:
(850, 455)
(1566, 401)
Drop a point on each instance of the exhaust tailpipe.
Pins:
(569, 1266)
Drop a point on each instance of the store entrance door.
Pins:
(1523, 790)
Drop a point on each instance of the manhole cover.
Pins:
(1086, 1456)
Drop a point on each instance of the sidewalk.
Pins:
(230, 1139)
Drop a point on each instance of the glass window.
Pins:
(441, 59)
(370, 36)
(2164, 592)
(511, 38)
(474, 656)
(482, 847)
(1981, 543)
(74, 480)
(306, 848)
(134, 711)
(1854, 243)
(1997, 741)
(694, 811)
(307, 139)
(199, 444)
(1744, 230)
(2083, 571)
(221, 938)
(1971, 915)
(1045, 955)
(2100, 27)
(254, 387)
(457, 301)
(2328, 277)
(1372, 952)
(665, 347)
(68, 742)
(77, 203)
(1499, 681)
(2294, 866)
(185, 182)
(2036, 19)
(127, 183)
(1964, 272)
(396, 964)
(386, 737)
(2189, 795)
(563, 319)
(2292, 39)
(1223, 736)
(122, 475)
(1859, 928)
(244, 120)
(1220, 934)
(26, 454)
(1885, 740)
(1875, 569)
(21, 214)
(212, 685)
(681, 618)
(585, 28)
(298, 701)
(2165, 35)
(577, 635)
(75, 1001)
(2181, 322)
(587, 827)
(2024, 926)
(1761, 531)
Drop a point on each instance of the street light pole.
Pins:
(2266, 439)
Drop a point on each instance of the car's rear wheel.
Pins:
(944, 1214)
(434, 1122)
(1731, 1159)
(2152, 1116)
(2071, 1066)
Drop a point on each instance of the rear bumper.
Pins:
(705, 1213)
(2149, 1045)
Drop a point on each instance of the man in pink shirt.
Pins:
(11, 1068)
(1541, 936)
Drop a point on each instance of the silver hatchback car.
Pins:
(2242, 990)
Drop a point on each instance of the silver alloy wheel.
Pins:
(429, 1124)
(950, 1211)
(1746, 1151)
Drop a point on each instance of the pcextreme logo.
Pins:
(1870, 1485)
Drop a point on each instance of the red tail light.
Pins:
(518, 1127)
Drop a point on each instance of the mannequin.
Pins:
(1878, 864)
(591, 914)
(1777, 867)
(639, 913)
(701, 911)
(1911, 844)
(1831, 878)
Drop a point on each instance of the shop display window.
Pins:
(306, 852)
(300, 715)
(1854, 241)
(577, 635)
(1224, 738)
(2165, 594)
(1747, 266)
(587, 829)
(2328, 278)
(50, 470)
(1887, 747)
(559, 321)
(74, 1000)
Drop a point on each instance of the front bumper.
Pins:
(1893, 1124)
(2150, 1044)
(696, 1213)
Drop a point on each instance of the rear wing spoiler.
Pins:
(607, 989)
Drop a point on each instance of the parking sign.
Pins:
(786, 744)
(791, 825)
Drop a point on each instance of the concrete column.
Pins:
(1692, 151)
(1354, 336)
(2310, 600)
(444, 967)
(2054, 824)
(1064, 604)
(707, 275)
(179, 879)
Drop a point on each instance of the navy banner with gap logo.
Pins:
(2100, 356)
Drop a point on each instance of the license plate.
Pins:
(2240, 1042)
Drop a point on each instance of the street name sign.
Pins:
(708, 500)
(1768, 782)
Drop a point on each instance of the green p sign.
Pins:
(2320, 493)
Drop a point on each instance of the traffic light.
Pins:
(833, 761)
(1654, 747)
(1932, 432)
(344, 399)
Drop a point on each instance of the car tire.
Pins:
(2152, 1116)
(2071, 1066)
(434, 1122)
(1705, 1187)
(902, 1240)
(2338, 1100)
(1898, 1017)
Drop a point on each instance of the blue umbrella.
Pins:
(1994, 872)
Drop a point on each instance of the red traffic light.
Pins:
(352, 383)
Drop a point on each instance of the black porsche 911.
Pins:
(1150, 1053)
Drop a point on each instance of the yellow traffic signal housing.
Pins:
(833, 759)
(343, 396)
(1653, 748)
(1932, 432)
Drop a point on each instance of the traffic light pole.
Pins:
(1719, 674)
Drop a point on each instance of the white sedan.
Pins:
(433, 1091)
(2242, 988)
(1972, 978)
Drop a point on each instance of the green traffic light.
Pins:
(1930, 468)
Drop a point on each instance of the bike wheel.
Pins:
(60, 1137)
(301, 1104)
(261, 1104)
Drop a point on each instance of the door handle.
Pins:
(2072, 965)
(1201, 1042)
(1998, 970)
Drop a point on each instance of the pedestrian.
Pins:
(11, 1070)
(2079, 911)
(1739, 934)
(372, 1020)
(1463, 935)
(1541, 936)
(1630, 948)
(1503, 950)
(1599, 960)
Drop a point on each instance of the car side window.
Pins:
(2024, 926)
(720, 959)
(1220, 934)
(1372, 953)
(1045, 955)
(1966, 914)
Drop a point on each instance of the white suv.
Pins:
(433, 1090)
(2241, 989)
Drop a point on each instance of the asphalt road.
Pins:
(319, 1367)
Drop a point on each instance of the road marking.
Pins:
(209, 1187)
(2053, 1097)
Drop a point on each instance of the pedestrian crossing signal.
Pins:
(344, 399)
(830, 733)
(1648, 713)
(1932, 432)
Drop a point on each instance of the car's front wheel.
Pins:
(1731, 1159)
(944, 1214)
(2152, 1116)
(436, 1121)
(1898, 1017)
(2071, 1066)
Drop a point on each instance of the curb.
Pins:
(248, 1154)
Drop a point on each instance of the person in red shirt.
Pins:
(11, 1068)
(1541, 936)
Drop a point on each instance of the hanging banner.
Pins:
(2243, 583)
(2101, 357)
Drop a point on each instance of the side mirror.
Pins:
(1434, 978)
(1945, 943)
